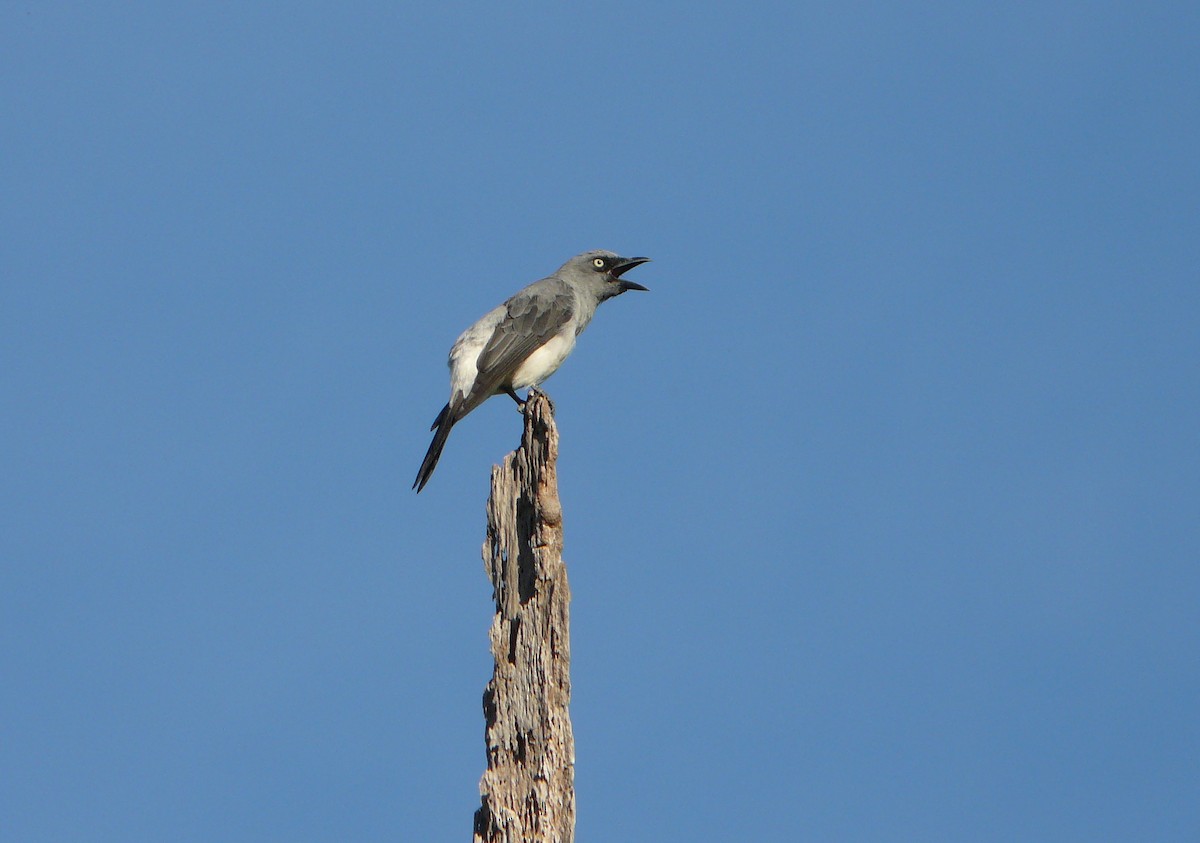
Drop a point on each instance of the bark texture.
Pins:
(528, 790)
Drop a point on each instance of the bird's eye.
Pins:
(598, 263)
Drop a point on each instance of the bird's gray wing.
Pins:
(532, 317)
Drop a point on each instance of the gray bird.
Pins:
(524, 341)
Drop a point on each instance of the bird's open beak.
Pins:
(624, 266)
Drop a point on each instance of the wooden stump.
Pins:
(528, 790)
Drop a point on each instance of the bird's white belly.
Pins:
(545, 361)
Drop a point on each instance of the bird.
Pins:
(523, 341)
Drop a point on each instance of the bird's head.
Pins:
(601, 271)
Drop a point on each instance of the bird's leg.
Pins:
(511, 393)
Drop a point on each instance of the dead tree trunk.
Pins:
(528, 790)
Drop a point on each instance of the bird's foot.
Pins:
(534, 391)
(511, 393)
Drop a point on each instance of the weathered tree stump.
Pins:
(528, 789)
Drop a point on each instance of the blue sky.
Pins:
(881, 507)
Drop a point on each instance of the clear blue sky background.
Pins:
(882, 508)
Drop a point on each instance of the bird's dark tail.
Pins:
(442, 425)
